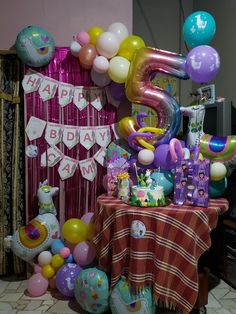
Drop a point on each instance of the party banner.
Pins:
(103, 135)
(31, 82)
(53, 133)
(87, 137)
(48, 88)
(80, 96)
(65, 94)
(67, 167)
(88, 168)
(51, 157)
(70, 136)
(35, 128)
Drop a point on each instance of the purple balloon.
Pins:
(202, 64)
(117, 91)
(65, 278)
(163, 157)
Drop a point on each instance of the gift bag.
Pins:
(116, 166)
(192, 181)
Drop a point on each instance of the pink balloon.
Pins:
(88, 218)
(84, 253)
(83, 38)
(37, 268)
(37, 285)
(65, 252)
(175, 146)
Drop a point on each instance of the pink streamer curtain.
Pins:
(76, 195)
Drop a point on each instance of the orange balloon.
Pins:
(86, 56)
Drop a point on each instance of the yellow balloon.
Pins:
(118, 69)
(94, 33)
(57, 261)
(127, 126)
(74, 230)
(129, 45)
(90, 231)
(48, 271)
(143, 142)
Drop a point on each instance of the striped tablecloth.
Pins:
(158, 246)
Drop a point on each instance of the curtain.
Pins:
(12, 206)
(76, 194)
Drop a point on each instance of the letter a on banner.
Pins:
(88, 168)
(87, 138)
(67, 167)
(48, 88)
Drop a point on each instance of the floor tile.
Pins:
(5, 306)
(230, 295)
(14, 285)
(8, 297)
(219, 293)
(33, 305)
(212, 302)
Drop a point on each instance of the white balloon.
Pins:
(145, 156)
(44, 258)
(217, 171)
(120, 30)
(107, 45)
(75, 48)
(100, 64)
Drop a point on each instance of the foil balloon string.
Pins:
(140, 90)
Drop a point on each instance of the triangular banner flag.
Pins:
(96, 98)
(88, 168)
(87, 137)
(103, 135)
(70, 136)
(48, 88)
(53, 133)
(100, 156)
(31, 82)
(80, 97)
(35, 128)
(67, 167)
(65, 94)
(51, 157)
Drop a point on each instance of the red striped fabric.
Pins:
(166, 257)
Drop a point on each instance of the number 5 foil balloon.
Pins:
(139, 88)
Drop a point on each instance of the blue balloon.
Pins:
(56, 246)
(35, 46)
(199, 29)
(165, 179)
(217, 188)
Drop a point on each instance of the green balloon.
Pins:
(35, 46)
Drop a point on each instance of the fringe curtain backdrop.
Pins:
(76, 195)
(12, 206)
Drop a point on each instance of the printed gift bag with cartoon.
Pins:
(192, 181)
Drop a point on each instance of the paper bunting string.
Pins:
(67, 167)
(80, 96)
(51, 157)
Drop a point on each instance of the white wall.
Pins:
(62, 18)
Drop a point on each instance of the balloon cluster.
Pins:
(107, 53)
(60, 266)
(203, 61)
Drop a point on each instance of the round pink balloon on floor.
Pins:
(37, 285)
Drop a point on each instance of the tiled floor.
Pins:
(14, 300)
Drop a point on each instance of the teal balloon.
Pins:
(217, 188)
(35, 46)
(165, 179)
(123, 301)
(199, 28)
(91, 290)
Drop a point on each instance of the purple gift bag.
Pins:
(192, 181)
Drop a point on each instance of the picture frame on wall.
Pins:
(207, 94)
